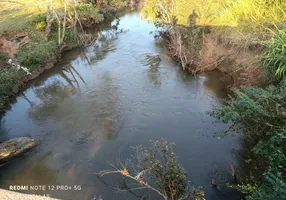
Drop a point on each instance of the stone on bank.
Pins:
(15, 147)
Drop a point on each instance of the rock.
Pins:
(15, 147)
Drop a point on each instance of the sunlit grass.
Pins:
(15, 15)
(247, 15)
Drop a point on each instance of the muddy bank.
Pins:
(203, 50)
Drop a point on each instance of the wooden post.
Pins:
(233, 172)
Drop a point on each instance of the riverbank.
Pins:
(246, 40)
(205, 49)
(29, 48)
(208, 35)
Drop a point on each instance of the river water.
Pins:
(122, 91)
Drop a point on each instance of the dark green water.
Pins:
(102, 100)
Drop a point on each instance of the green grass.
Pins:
(274, 58)
(29, 16)
(247, 15)
(9, 78)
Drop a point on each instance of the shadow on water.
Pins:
(121, 91)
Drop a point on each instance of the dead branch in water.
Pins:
(137, 178)
(156, 168)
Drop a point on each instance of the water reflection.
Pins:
(153, 63)
(51, 95)
(100, 101)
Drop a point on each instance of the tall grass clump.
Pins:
(274, 57)
(250, 15)
(253, 14)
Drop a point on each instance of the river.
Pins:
(121, 91)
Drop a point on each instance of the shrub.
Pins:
(39, 22)
(37, 52)
(3, 57)
(260, 114)
(156, 168)
(274, 58)
(8, 79)
(89, 12)
(40, 26)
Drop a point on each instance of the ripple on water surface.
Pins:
(122, 91)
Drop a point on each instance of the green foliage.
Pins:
(38, 18)
(87, 11)
(8, 79)
(274, 58)
(37, 52)
(273, 189)
(161, 165)
(40, 26)
(245, 188)
(161, 162)
(260, 114)
(3, 57)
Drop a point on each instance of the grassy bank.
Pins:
(34, 33)
(240, 38)
(227, 35)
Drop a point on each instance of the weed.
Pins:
(274, 57)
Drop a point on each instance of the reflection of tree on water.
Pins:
(106, 104)
(154, 76)
(153, 62)
(93, 118)
(104, 43)
(250, 165)
(50, 95)
(217, 85)
(80, 125)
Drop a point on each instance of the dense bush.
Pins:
(260, 114)
(250, 14)
(89, 12)
(38, 52)
(157, 168)
(8, 79)
(39, 21)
